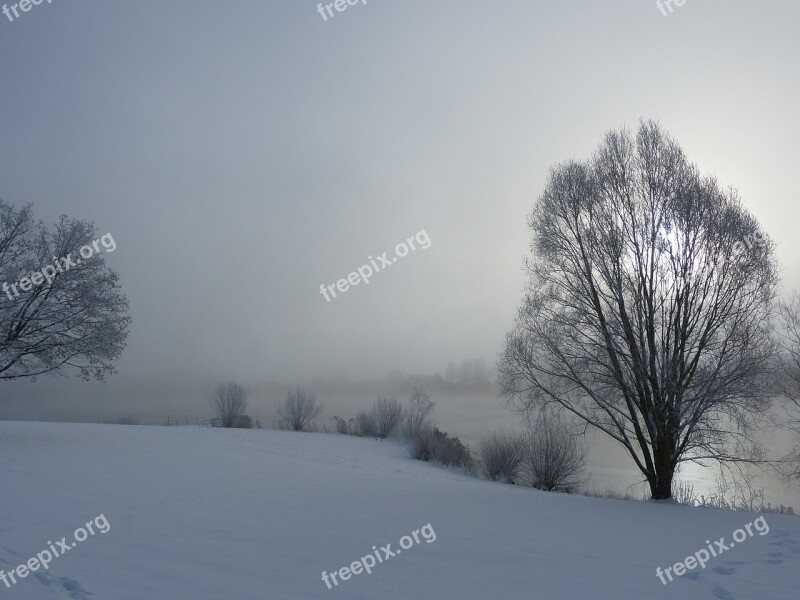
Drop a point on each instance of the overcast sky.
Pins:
(244, 153)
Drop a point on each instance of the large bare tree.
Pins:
(75, 319)
(789, 378)
(640, 318)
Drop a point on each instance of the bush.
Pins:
(243, 422)
(431, 445)
(452, 453)
(422, 444)
(554, 455)
(365, 424)
(381, 420)
(416, 414)
(342, 426)
(501, 456)
(298, 411)
(387, 414)
(229, 402)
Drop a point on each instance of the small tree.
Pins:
(298, 410)
(554, 455)
(388, 414)
(419, 408)
(230, 403)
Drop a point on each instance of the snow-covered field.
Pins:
(199, 513)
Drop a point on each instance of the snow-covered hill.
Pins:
(197, 513)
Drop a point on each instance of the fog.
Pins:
(243, 156)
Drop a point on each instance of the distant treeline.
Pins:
(468, 377)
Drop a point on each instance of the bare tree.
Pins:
(554, 454)
(640, 319)
(58, 313)
(419, 408)
(298, 410)
(388, 414)
(789, 378)
(230, 404)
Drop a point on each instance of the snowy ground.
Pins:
(200, 513)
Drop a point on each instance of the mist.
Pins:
(245, 159)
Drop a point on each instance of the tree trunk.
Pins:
(661, 484)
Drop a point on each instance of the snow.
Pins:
(201, 513)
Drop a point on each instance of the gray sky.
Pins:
(244, 153)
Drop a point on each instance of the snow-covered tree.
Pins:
(58, 313)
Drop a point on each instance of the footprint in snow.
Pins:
(784, 539)
(74, 588)
(721, 593)
(70, 585)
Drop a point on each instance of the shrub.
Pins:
(554, 455)
(416, 414)
(387, 414)
(451, 452)
(381, 420)
(342, 426)
(610, 494)
(365, 424)
(431, 445)
(298, 411)
(243, 422)
(683, 493)
(422, 444)
(742, 497)
(501, 456)
(229, 402)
